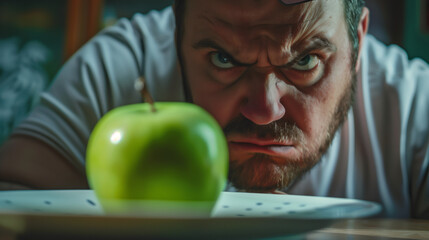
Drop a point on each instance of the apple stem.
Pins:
(141, 87)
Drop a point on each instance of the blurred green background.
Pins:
(37, 37)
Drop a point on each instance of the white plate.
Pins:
(77, 213)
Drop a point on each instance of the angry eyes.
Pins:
(221, 60)
(224, 61)
(306, 63)
(303, 72)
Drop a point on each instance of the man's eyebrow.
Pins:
(319, 43)
(316, 43)
(206, 43)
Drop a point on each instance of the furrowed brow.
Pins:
(322, 43)
(206, 43)
(317, 43)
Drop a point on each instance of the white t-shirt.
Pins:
(379, 154)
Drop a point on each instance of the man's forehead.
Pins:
(249, 12)
(232, 23)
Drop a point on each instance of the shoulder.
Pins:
(391, 61)
(396, 92)
(159, 23)
(160, 64)
(134, 37)
(393, 109)
(119, 54)
(393, 76)
(155, 25)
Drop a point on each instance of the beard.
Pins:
(262, 173)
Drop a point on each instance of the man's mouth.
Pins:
(269, 147)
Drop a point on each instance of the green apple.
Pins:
(176, 153)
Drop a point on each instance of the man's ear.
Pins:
(361, 33)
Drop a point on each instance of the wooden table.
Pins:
(374, 229)
(356, 229)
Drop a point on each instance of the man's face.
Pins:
(277, 78)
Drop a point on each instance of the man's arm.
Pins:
(28, 163)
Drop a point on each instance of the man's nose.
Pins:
(262, 104)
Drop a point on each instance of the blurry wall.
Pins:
(386, 20)
(402, 22)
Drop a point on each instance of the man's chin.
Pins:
(261, 173)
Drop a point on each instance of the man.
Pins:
(296, 85)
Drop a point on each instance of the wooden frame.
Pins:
(83, 22)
